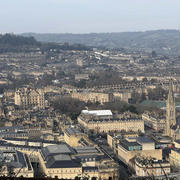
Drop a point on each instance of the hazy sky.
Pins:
(84, 16)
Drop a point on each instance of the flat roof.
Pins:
(72, 131)
(13, 158)
(62, 157)
(30, 140)
(144, 139)
(58, 149)
(98, 112)
(86, 149)
(126, 144)
(62, 161)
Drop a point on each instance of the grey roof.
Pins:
(62, 157)
(126, 144)
(21, 159)
(18, 160)
(86, 149)
(62, 148)
(72, 131)
(144, 139)
(62, 161)
(56, 150)
(62, 164)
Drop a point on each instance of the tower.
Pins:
(170, 111)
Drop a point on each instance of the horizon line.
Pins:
(81, 33)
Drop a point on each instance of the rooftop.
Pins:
(53, 150)
(73, 131)
(13, 158)
(145, 161)
(62, 161)
(62, 157)
(86, 150)
(126, 144)
(144, 139)
(98, 112)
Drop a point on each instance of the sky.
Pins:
(87, 16)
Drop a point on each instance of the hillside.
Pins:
(14, 43)
(163, 41)
(17, 43)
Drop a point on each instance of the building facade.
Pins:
(75, 138)
(155, 123)
(150, 167)
(106, 123)
(172, 128)
(129, 148)
(29, 98)
(93, 97)
(15, 163)
(59, 160)
(64, 162)
(174, 156)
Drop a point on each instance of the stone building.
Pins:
(62, 161)
(29, 98)
(156, 123)
(151, 167)
(174, 156)
(75, 138)
(172, 128)
(122, 96)
(103, 121)
(128, 148)
(93, 97)
(15, 163)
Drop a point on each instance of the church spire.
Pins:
(170, 110)
(170, 94)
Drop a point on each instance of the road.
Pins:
(123, 170)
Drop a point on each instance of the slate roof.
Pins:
(17, 160)
(62, 161)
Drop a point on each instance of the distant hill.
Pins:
(14, 43)
(162, 41)
(17, 43)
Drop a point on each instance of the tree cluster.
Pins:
(157, 94)
(14, 43)
(73, 107)
(107, 77)
(70, 107)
